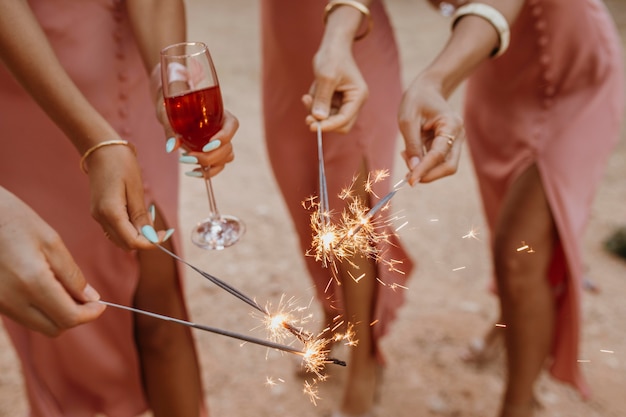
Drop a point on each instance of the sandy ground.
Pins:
(447, 302)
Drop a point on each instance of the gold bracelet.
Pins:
(101, 145)
(333, 4)
(491, 15)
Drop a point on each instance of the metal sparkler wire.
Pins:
(222, 332)
(324, 206)
(223, 285)
(299, 333)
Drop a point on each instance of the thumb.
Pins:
(322, 99)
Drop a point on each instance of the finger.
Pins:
(439, 161)
(230, 125)
(67, 272)
(324, 89)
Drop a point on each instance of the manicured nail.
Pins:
(152, 211)
(90, 293)
(414, 161)
(195, 174)
(214, 144)
(186, 159)
(149, 233)
(170, 145)
(168, 234)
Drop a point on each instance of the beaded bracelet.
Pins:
(357, 5)
(491, 15)
(101, 145)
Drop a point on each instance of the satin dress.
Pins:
(291, 33)
(92, 368)
(554, 99)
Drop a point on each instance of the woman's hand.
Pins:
(41, 287)
(433, 132)
(338, 91)
(117, 198)
(217, 152)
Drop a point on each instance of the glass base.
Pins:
(217, 233)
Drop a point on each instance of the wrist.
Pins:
(348, 19)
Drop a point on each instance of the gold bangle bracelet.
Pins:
(491, 15)
(333, 4)
(101, 145)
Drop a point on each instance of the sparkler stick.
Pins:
(298, 333)
(323, 209)
(223, 285)
(222, 332)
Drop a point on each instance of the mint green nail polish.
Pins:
(170, 144)
(214, 144)
(195, 174)
(168, 234)
(186, 159)
(149, 233)
(152, 211)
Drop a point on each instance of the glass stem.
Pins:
(214, 214)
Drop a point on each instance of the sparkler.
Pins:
(356, 231)
(215, 330)
(315, 357)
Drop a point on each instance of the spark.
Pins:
(606, 351)
(525, 247)
(458, 269)
(472, 234)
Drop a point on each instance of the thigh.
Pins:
(525, 218)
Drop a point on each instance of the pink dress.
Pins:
(93, 368)
(291, 33)
(555, 100)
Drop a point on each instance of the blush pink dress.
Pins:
(93, 368)
(291, 33)
(554, 99)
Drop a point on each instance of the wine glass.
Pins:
(194, 107)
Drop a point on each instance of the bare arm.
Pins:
(338, 90)
(427, 121)
(116, 194)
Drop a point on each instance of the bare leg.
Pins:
(358, 297)
(167, 352)
(525, 296)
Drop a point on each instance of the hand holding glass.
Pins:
(193, 102)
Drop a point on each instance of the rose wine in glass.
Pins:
(193, 102)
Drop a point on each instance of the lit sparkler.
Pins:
(312, 359)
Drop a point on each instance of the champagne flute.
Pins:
(193, 102)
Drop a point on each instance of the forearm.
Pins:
(472, 42)
(156, 24)
(28, 55)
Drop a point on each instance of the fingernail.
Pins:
(214, 144)
(320, 112)
(414, 161)
(149, 233)
(152, 210)
(90, 293)
(195, 174)
(186, 159)
(170, 145)
(168, 234)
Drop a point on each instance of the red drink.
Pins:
(196, 116)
